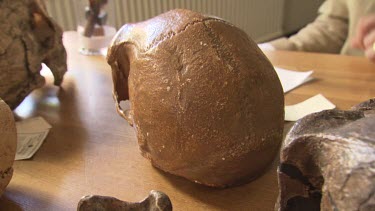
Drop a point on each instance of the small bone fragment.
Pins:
(156, 201)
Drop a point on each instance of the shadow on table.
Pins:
(60, 108)
(61, 153)
(17, 198)
(262, 191)
(63, 147)
(6, 204)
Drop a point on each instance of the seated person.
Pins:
(343, 26)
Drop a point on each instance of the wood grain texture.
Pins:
(92, 150)
(345, 80)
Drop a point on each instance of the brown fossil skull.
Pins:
(8, 145)
(206, 103)
(28, 38)
(328, 161)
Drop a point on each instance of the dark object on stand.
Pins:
(94, 17)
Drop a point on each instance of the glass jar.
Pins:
(94, 31)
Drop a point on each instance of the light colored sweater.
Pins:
(332, 30)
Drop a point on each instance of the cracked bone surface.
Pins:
(8, 145)
(206, 103)
(28, 38)
(328, 161)
(156, 201)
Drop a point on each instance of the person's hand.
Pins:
(365, 36)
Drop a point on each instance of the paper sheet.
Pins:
(30, 136)
(289, 79)
(266, 47)
(292, 79)
(309, 106)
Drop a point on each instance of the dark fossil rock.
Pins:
(28, 38)
(328, 161)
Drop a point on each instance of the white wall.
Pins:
(261, 19)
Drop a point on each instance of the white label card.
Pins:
(309, 106)
(30, 136)
(291, 79)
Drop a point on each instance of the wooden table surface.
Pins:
(92, 150)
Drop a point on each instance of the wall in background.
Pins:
(261, 19)
(298, 13)
(63, 12)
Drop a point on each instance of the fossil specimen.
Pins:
(8, 145)
(156, 201)
(206, 103)
(29, 37)
(328, 161)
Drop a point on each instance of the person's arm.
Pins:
(365, 36)
(327, 33)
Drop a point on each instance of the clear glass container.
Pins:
(94, 30)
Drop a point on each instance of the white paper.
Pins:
(309, 106)
(292, 79)
(266, 47)
(30, 136)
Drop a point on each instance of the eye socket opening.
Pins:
(313, 201)
(120, 75)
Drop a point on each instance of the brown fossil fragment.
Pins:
(28, 38)
(156, 201)
(206, 103)
(8, 145)
(328, 161)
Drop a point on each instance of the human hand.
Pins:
(365, 36)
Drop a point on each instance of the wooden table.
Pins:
(92, 150)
